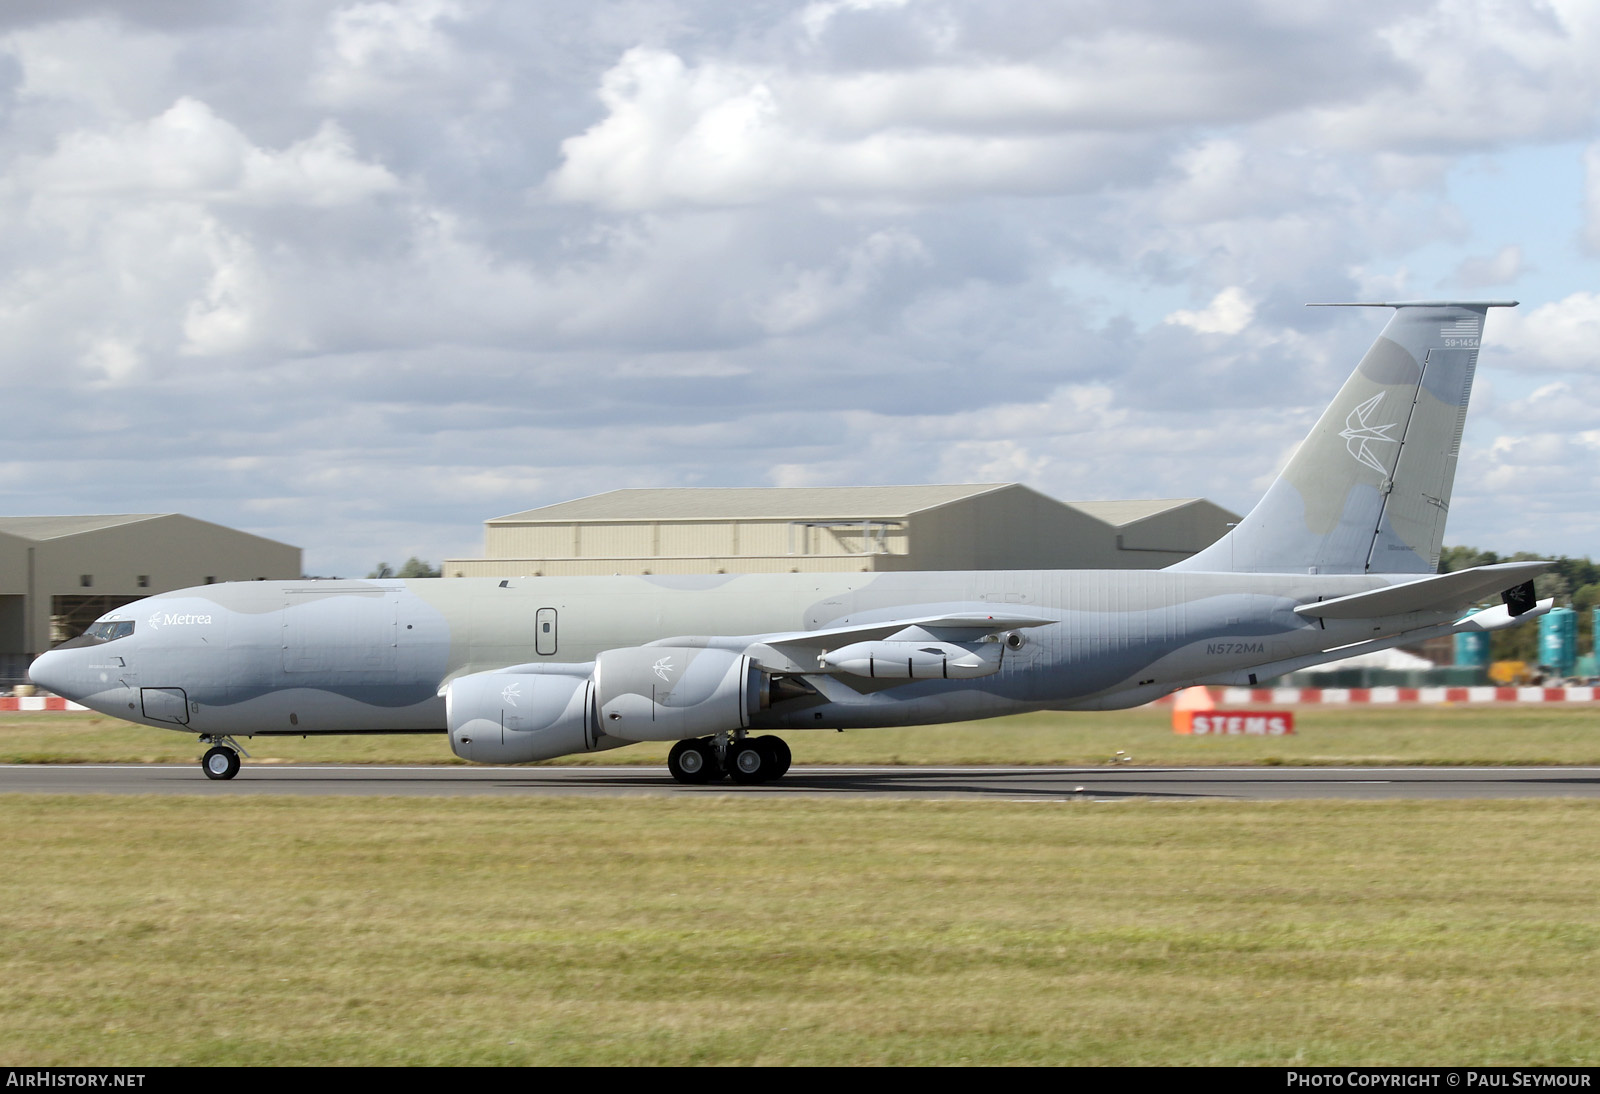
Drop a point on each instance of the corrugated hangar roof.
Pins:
(1118, 513)
(754, 503)
(56, 527)
(805, 503)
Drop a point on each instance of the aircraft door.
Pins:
(545, 632)
(165, 705)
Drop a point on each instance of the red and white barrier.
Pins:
(1357, 696)
(38, 702)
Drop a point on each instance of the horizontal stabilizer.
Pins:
(1443, 593)
(1491, 619)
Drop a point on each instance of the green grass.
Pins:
(725, 930)
(1499, 735)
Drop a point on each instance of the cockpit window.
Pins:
(106, 630)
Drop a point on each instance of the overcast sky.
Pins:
(358, 276)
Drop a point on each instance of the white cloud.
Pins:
(1544, 461)
(118, 361)
(1477, 73)
(187, 151)
(1569, 405)
(227, 316)
(813, 295)
(1500, 268)
(1405, 83)
(374, 51)
(1229, 312)
(322, 170)
(816, 16)
(90, 66)
(1564, 334)
(1591, 204)
(729, 134)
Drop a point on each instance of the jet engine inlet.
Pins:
(514, 718)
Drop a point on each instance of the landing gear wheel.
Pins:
(752, 760)
(693, 762)
(780, 754)
(220, 763)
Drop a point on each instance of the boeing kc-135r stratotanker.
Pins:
(1338, 558)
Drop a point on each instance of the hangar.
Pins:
(59, 574)
(993, 526)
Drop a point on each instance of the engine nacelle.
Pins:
(915, 660)
(515, 718)
(670, 693)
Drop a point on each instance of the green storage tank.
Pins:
(1472, 648)
(1558, 640)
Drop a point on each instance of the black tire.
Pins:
(693, 762)
(752, 760)
(220, 763)
(780, 754)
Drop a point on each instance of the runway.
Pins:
(1041, 784)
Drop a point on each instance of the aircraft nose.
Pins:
(53, 672)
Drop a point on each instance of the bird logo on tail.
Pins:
(1359, 433)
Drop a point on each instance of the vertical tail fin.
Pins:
(1369, 489)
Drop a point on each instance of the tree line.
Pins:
(414, 567)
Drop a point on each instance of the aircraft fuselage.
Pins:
(314, 657)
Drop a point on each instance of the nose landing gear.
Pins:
(221, 761)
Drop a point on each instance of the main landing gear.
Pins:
(744, 759)
(221, 761)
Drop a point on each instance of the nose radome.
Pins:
(50, 671)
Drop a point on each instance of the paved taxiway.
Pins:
(968, 783)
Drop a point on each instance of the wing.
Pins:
(956, 645)
(800, 651)
(1443, 593)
